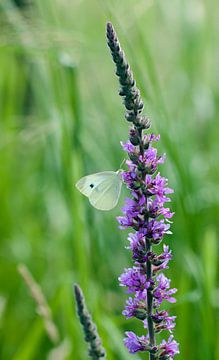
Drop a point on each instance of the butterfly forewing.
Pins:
(87, 184)
(106, 194)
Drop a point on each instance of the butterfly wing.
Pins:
(88, 183)
(106, 194)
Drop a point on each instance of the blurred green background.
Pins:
(61, 118)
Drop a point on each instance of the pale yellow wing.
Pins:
(106, 194)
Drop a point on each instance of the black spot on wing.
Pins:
(91, 186)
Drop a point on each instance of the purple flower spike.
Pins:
(145, 214)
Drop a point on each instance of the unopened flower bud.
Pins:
(140, 314)
(130, 116)
(144, 122)
(154, 350)
(134, 158)
(133, 137)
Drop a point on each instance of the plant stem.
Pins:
(149, 273)
(150, 303)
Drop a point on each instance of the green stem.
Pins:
(150, 303)
(149, 274)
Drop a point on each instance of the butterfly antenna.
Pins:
(123, 161)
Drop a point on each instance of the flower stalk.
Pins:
(150, 302)
(144, 212)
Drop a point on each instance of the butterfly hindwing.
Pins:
(106, 194)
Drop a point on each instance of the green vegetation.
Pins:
(61, 118)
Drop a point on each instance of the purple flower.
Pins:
(136, 307)
(160, 262)
(130, 178)
(134, 279)
(158, 186)
(150, 160)
(166, 255)
(128, 147)
(134, 207)
(132, 167)
(125, 221)
(161, 292)
(159, 316)
(163, 321)
(138, 246)
(156, 230)
(135, 343)
(168, 349)
(155, 208)
(160, 259)
(148, 138)
(167, 323)
(160, 267)
(134, 212)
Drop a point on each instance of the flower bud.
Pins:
(130, 116)
(144, 122)
(140, 314)
(133, 137)
(133, 158)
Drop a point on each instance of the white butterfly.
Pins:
(102, 189)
